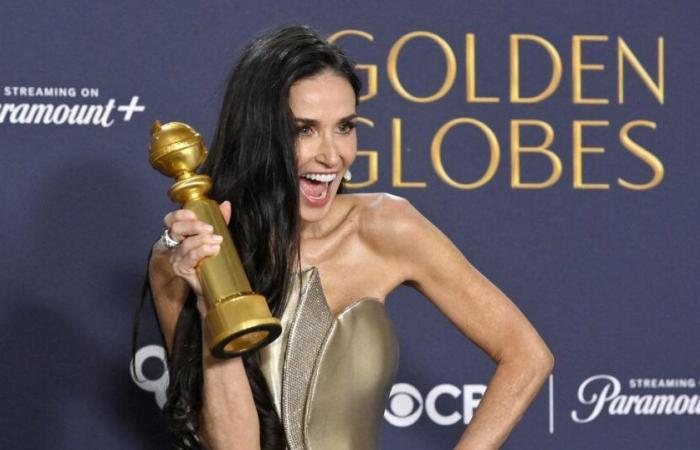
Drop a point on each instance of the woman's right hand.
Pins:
(198, 241)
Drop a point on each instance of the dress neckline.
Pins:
(347, 307)
(296, 272)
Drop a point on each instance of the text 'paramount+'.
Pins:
(49, 113)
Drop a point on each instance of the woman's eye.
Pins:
(346, 128)
(304, 131)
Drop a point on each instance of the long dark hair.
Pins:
(252, 163)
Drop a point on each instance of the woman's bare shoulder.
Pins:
(376, 208)
(384, 219)
(402, 242)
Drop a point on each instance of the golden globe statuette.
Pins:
(238, 320)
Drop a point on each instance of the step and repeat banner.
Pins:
(555, 143)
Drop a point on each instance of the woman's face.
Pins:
(324, 116)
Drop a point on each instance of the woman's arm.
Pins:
(169, 291)
(228, 419)
(429, 262)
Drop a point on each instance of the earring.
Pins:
(347, 176)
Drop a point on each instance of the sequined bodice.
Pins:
(330, 376)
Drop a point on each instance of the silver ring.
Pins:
(167, 240)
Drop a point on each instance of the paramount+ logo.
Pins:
(407, 405)
(64, 106)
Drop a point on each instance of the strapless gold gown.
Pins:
(330, 377)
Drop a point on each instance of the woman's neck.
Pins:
(322, 228)
(318, 240)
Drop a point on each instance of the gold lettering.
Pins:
(515, 68)
(450, 67)
(624, 53)
(372, 162)
(470, 53)
(396, 180)
(579, 150)
(436, 153)
(516, 149)
(645, 155)
(371, 69)
(577, 67)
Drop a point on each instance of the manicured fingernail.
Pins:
(209, 228)
(218, 238)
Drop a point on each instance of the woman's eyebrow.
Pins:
(349, 118)
(307, 121)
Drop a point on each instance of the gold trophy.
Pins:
(238, 320)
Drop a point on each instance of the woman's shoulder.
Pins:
(376, 208)
(373, 199)
(401, 241)
(384, 220)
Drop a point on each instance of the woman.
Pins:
(325, 261)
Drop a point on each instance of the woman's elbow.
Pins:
(544, 360)
(549, 362)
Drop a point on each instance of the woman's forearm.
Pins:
(229, 419)
(169, 292)
(511, 389)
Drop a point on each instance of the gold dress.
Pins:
(330, 376)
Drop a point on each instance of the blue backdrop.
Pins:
(603, 259)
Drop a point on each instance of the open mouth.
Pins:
(315, 186)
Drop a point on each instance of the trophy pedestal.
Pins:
(228, 336)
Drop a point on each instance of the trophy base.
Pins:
(240, 325)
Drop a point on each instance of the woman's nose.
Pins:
(328, 153)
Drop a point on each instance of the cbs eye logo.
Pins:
(158, 385)
(406, 404)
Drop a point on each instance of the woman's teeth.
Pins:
(323, 178)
